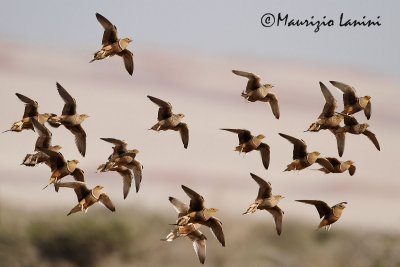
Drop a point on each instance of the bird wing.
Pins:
(56, 159)
(79, 187)
(80, 137)
(265, 187)
(127, 56)
(349, 93)
(243, 134)
(352, 170)
(114, 141)
(44, 139)
(273, 102)
(137, 174)
(199, 244)
(349, 120)
(325, 163)
(184, 132)
(330, 102)
(277, 213)
(165, 110)
(373, 138)
(300, 147)
(127, 177)
(70, 104)
(31, 106)
(216, 228)
(322, 208)
(78, 175)
(106, 201)
(265, 154)
(179, 206)
(196, 200)
(254, 80)
(340, 141)
(110, 35)
(334, 161)
(367, 110)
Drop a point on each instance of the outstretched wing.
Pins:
(254, 80)
(165, 108)
(265, 187)
(106, 201)
(127, 56)
(300, 147)
(110, 35)
(243, 134)
(330, 102)
(196, 200)
(179, 206)
(322, 208)
(349, 93)
(80, 137)
(31, 106)
(216, 228)
(70, 104)
(373, 138)
(277, 213)
(265, 154)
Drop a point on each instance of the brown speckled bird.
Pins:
(170, 121)
(329, 214)
(61, 168)
(328, 119)
(197, 213)
(87, 197)
(71, 120)
(352, 126)
(42, 142)
(123, 161)
(301, 158)
(248, 142)
(353, 103)
(190, 230)
(256, 91)
(31, 111)
(112, 45)
(266, 201)
(340, 166)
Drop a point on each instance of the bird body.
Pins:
(328, 119)
(266, 201)
(353, 103)
(340, 166)
(328, 214)
(170, 121)
(112, 45)
(353, 127)
(301, 158)
(87, 197)
(256, 91)
(71, 120)
(248, 143)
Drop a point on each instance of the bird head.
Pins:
(128, 40)
(56, 148)
(212, 211)
(349, 162)
(279, 197)
(46, 116)
(364, 101)
(84, 116)
(260, 136)
(135, 151)
(180, 115)
(74, 161)
(340, 205)
(364, 126)
(268, 86)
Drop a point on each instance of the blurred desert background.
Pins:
(184, 53)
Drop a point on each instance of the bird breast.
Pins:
(269, 202)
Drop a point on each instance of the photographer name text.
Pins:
(284, 20)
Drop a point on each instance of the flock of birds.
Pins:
(191, 217)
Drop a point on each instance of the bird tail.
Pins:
(314, 127)
(30, 160)
(291, 167)
(156, 127)
(253, 207)
(75, 209)
(92, 60)
(326, 171)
